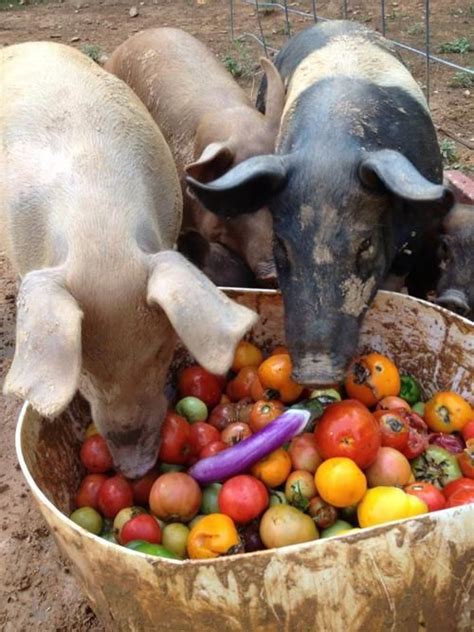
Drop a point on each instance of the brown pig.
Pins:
(210, 126)
(90, 210)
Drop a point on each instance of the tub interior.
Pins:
(425, 340)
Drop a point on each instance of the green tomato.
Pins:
(175, 538)
(410, 389)
(210, 494)
(419, 408)
(192, 409)
(337, 527)
(88, 518)
(436, 466)
(155, 549)
(277, 498)
(164, 468)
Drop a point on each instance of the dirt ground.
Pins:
(37, 590)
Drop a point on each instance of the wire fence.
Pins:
(309, 11)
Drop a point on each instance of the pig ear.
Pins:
(47, 361)
(390, 169)
(275, 98)
(245, 188)
(212, 163)
(206, 320)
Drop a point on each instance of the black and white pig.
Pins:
(355, 182)
(90, 211)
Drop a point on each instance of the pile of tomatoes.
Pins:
(379, 455)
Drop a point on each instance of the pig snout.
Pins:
(319, 369)
(266, 274)
(132, 455)
(454, 300)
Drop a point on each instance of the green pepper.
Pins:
(410, 389)
(155, 549)
(134, 544)
(192, 408)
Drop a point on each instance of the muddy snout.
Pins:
(454, 300)
(266, 275)
(132, 459)
(318, 370)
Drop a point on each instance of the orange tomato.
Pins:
(246, 354)
(279, 350)
(275, 373)
(263, 412)
(447, 412)
(372, 377)
(212, 536)
(273, 470)
(239, 387)
(340, 482)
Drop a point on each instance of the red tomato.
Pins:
(223, 415)
(143, 527)
(142, 486)
(95, 455)
(243, 498)
(201, 435)
(175, 497)
(175, 440)
(212, 448)
(199, 383)
(303, 453)
(461, 497)
(115, 494)
(466, 459)
(394, 427)
(417, 434)
(348, 429)
(88, 492)
(239, 387)
(468, 431)
(236, 432)
(455, 486)
(428, 493)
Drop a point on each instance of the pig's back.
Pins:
(80, 156)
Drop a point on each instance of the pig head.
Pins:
(350, 190)
(455, 289)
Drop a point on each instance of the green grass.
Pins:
(459, 45)
(463, 79)
(93, 51)
(416, 29)
(238, 61)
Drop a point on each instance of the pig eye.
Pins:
(365, 247)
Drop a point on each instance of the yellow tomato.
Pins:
(274, 469)
(340, 482)
(447, 412)
(246, 354)
(384, 504)
(212, 536)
